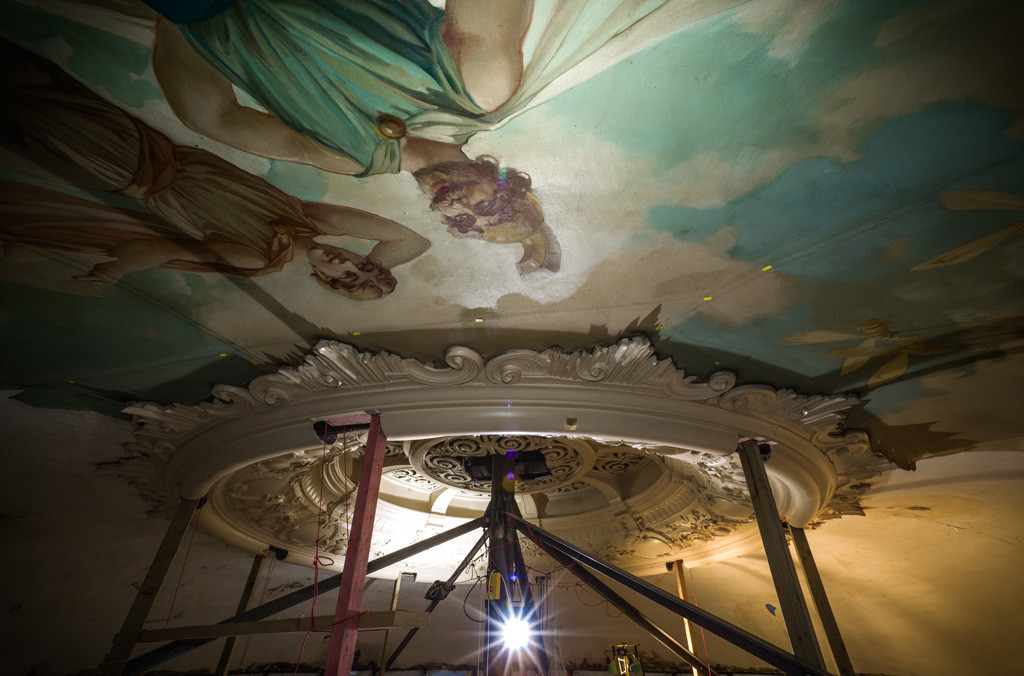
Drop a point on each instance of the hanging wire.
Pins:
(317, 559)
(466, 599)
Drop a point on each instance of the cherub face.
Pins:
(454, 199)
(476, 202)
(473, 206)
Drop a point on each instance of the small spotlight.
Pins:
(516, 633)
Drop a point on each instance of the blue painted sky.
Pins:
(826, 224)
(701, 89)
(797, 222)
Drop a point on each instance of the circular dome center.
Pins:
(540, 463)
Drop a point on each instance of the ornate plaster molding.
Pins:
(635, 508)
(622, 397)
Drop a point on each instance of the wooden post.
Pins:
(828, 619)
(243, 605)
(787, 586)
(350, 595)
(367, 621)
(113, 664)
(149, 660)
(684, 595)
(387, 633)
(623, 606)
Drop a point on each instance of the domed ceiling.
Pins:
(808, 212)
(642, 472)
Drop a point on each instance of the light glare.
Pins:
(515, 633)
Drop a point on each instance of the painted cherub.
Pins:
(206, 214)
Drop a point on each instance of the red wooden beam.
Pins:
(354, 419)
(350, 595)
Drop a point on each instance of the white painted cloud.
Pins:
(595, 198)
(788, 23)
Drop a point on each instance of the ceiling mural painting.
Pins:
(608, 235)
(820, 195)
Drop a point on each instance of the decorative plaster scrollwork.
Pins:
(443, 460)
(670, 482)
(617, 462)
(509, 368)
(465, 365)
(408, 476)
(629, 365)
(574, 486)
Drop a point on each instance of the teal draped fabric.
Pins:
(329, 68)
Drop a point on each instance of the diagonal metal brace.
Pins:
(772, 654)
(627, 609)
(146, 661)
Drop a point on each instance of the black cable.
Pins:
(465, 600)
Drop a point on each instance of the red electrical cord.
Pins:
(317, 559)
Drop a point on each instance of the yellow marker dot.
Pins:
(658, 327)
(356, 333)
(707, 297)
(72, 382)
(223, 354)
(717, 363)
(766, 268)
(478, 320)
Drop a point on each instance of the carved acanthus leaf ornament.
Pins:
(640, 453)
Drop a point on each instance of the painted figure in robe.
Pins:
(363, 87)
(205, 214)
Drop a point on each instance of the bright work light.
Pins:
(515, 633)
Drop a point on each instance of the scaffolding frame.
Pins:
(501, 523)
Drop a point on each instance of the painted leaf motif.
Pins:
(890, 370)
(861, 350)
(967, 251)
(853, 363)
(811, 337)
(897, 337)
(979, 200)
(876, 327)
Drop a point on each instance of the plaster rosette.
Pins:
(630, 458)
